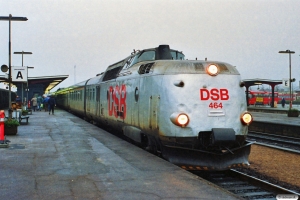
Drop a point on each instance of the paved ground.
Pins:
(275, 117)
(63, 157)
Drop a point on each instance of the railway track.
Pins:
(245, 186)
(290, 144)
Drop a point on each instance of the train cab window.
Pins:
(112, 74)
(176, 55)
(144, 56)
(127, 63)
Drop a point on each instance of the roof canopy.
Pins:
(257, 81)
(48, 82)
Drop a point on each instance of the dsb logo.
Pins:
(214, 94)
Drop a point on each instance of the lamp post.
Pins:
(290, 68)
(23, 52)
(9, 19)
(27, 85)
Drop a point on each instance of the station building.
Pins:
(35, 85)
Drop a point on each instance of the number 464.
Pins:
(215, 105)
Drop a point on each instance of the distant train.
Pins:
(192, 113)
(265, 97)
(262, 97)
(4, 100)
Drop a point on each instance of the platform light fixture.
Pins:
(10, 18)
(290, 68)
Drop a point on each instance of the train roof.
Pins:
(162, 52)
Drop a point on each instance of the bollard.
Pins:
(3, 141)
(2, 116)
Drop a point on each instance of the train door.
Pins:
(105, 99)
(88, 99)
(135, 110)
(154, 105)
(144, 102)
(85, 99)
(98, 103)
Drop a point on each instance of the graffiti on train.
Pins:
(116, 100)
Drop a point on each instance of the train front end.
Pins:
(204, 120)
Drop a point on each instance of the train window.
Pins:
(127, 63)
(93, 95)
(144, 56)
(112, 74)
(98, 93)
(177, 55)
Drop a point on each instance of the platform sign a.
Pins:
(19, 74)
(285, 83)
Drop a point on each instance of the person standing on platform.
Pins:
(18, 102)
(39, 102)
(283, 102)
(45, 103)
(51, 104)
(34, 103)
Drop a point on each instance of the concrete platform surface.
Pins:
(262, 115)
(63, 157)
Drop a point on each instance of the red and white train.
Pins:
(193, 113)
(265, 97)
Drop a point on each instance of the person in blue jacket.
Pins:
(45, 103)
(51, 104)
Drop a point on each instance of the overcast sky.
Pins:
(92, 34)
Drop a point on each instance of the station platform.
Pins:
(61, 156)
(274, 115)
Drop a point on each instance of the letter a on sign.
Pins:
(19, 74)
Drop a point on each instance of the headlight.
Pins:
(179, 119)
(212, 70)
(246, 118)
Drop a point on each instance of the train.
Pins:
(262, 97)
(192, 113)
(265, 97)
(4, 100)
